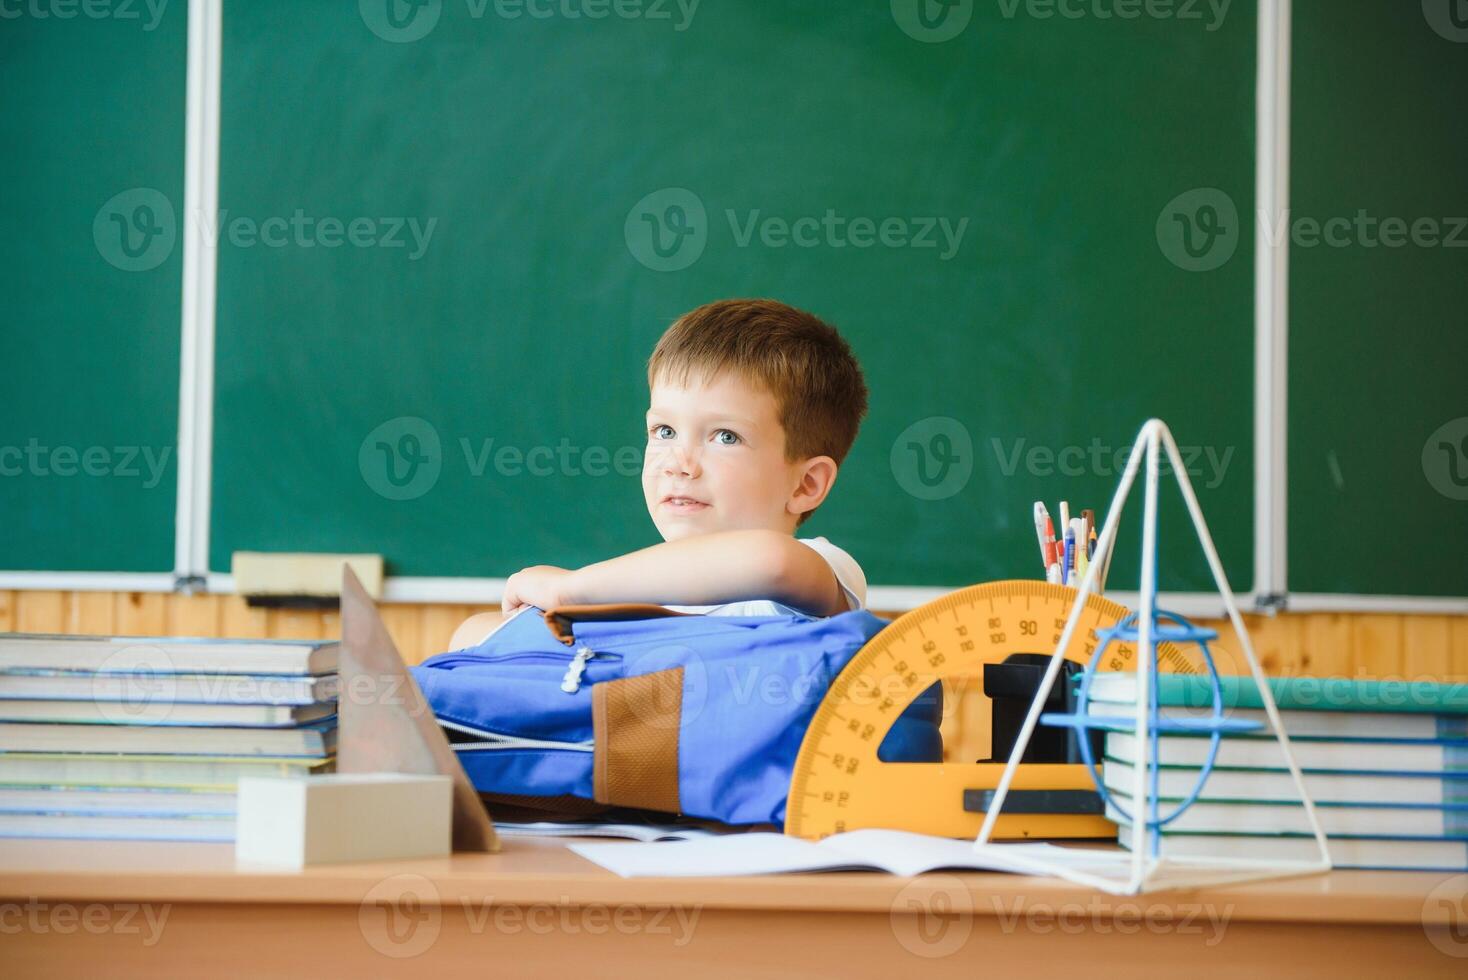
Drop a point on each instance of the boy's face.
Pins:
(721, 444)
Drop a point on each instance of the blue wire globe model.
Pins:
(1176, 630)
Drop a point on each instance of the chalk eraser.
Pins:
(266, 575)
(370, 816)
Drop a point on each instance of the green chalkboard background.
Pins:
(92, 130)
(1378, 422)
(1069, 312)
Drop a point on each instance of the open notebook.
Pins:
(897, 852)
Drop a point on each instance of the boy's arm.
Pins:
(714, 568)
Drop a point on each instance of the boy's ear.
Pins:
(817, 476)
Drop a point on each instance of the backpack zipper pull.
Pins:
(571, 683)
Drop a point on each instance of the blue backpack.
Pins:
(585, 708)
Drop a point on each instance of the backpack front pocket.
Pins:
(636, 723)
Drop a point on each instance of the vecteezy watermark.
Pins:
(135, 230)
(90, 9)
(933, 916)
(136, 685)
(1210, 13)
(936, 21)
(1387, 692)
(1445, 916)
(933, 458)
(1449, 18)
(1364, 230)
(1101, 459)
(1445, 459)
(402, 917)
(1104, 916)
(301, 230)
(1199, 229)
(402, 21)
(402, 458)
(685, 680)
(142, 919)
(668, 230)
(124, 462)
(932, 21)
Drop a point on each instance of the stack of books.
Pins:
(145, 738)
(1384, 762)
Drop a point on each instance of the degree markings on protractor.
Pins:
(838, 782)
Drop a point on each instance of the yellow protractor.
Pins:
(839, 784)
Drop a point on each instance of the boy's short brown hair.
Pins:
(802, 361)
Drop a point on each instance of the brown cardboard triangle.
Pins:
(385, 725)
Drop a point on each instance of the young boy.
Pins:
(754, 407)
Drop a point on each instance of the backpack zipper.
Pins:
(499, 740)
(571, 682)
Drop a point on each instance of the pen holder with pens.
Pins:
(1067, 556)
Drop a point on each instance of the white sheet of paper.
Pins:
(895, 851)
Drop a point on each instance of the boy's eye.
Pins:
(655, 429)
(733, 440)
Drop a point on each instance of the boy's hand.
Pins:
(543, 586)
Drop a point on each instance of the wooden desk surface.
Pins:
(556, 911)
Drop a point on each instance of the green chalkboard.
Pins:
(1098, 169)
(92, 125)
(1378, 421)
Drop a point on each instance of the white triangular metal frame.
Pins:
(1120, 872)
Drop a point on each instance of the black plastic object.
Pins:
(1011, 685)
(1080, 801)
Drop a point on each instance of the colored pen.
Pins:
(1081, 557)
(1062, 554)
(1042, 521)
(1075, 551)
(1069, 556)
(1052, 574)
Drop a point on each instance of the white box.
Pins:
(370, 816)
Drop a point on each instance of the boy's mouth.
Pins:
(683, 505)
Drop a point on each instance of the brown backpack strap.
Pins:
(560, 618)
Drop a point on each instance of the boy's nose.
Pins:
(681, 461)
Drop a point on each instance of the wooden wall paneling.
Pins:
(193, 615)
(41, 612)
(439, 623)
(142, 613)
(405, 623)
(1327, 645)
(91, 613)
(1376, 646)
(239, 619)
(1427, 648)
(1289, 644)
(1458, 652)
(293, 624)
